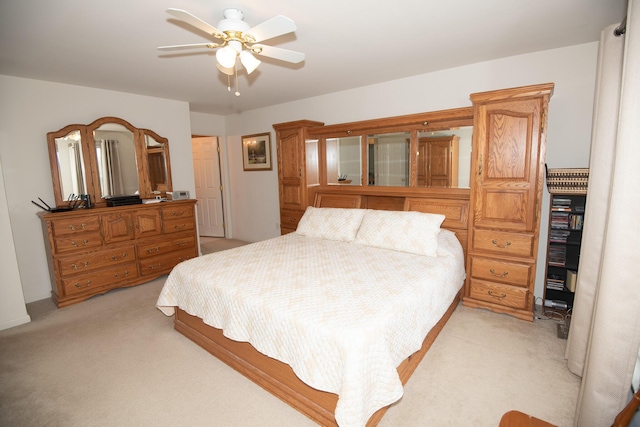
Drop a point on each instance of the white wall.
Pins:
(12, 309)
(31, 108)
(572, 69)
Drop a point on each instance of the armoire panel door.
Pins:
(290, 161)
(508, 141)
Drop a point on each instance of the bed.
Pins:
(333, 318)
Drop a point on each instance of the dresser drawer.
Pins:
(179, 224)
(62, 227)
(290, 219)
(75, 264)
(94, 282)
(494, 270)
(503, 242)
(164, 263)
(162, 247)
(172, 212)
(78, 242)
(505, 295)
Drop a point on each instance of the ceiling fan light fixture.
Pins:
(249, 62)
(227, 71)
(226, 56)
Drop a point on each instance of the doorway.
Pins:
(206, 168)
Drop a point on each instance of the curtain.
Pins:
(110, 170)
(604, 336)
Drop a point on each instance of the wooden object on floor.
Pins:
(626, 415)
(278, 378)
(91, 251)
(518, 419)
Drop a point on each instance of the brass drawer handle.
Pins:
(126, 273)
(492, 295)
(183, 243)
(183, 259)
(115, 257)
(179, 226)
(79, 286)
(152, 250)
(178, 213)
(73, 227)
(506, 245)
(157, 266)
(84, 243)
(84, 265)
(493, 273)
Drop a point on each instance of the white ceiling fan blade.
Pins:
(281, 54)
(196, 22)
(274, 27)
(188, 46)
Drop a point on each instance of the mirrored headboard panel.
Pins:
(109, 157)
(419, 150)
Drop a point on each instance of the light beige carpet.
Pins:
(115, 360)
(215, 244)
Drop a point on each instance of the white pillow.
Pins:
(330, 223)
(405, 231)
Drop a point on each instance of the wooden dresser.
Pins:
(506, 197)
(91, 251)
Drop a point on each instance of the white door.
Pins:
(206, 166)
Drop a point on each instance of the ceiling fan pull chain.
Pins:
(237, 90)
(229, 83)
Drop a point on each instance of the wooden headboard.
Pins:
(452, 203)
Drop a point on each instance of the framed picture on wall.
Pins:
(256, 152)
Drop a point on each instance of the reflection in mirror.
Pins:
(438, 150)
(116, 159)
(344, 160)
(157, 161)
(388, 159)
(70, 164)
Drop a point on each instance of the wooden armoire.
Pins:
(297, 169)
(507, 167)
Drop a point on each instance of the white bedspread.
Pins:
(342, 315)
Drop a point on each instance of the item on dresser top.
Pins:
(123, 200)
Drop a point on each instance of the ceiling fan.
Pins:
(238, 41)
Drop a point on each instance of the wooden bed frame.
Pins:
(277, 377)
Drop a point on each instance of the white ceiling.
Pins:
(112, 44)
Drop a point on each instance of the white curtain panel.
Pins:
(605, 328)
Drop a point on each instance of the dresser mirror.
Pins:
(109, 157)
(114, 145)
(70, 174)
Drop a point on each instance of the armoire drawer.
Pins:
(75, 264)
(290, 219)
(495, 270)
(95, 281)
(503, 242)
(496, 293)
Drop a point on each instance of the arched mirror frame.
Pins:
(413, 124)
(89, 159)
